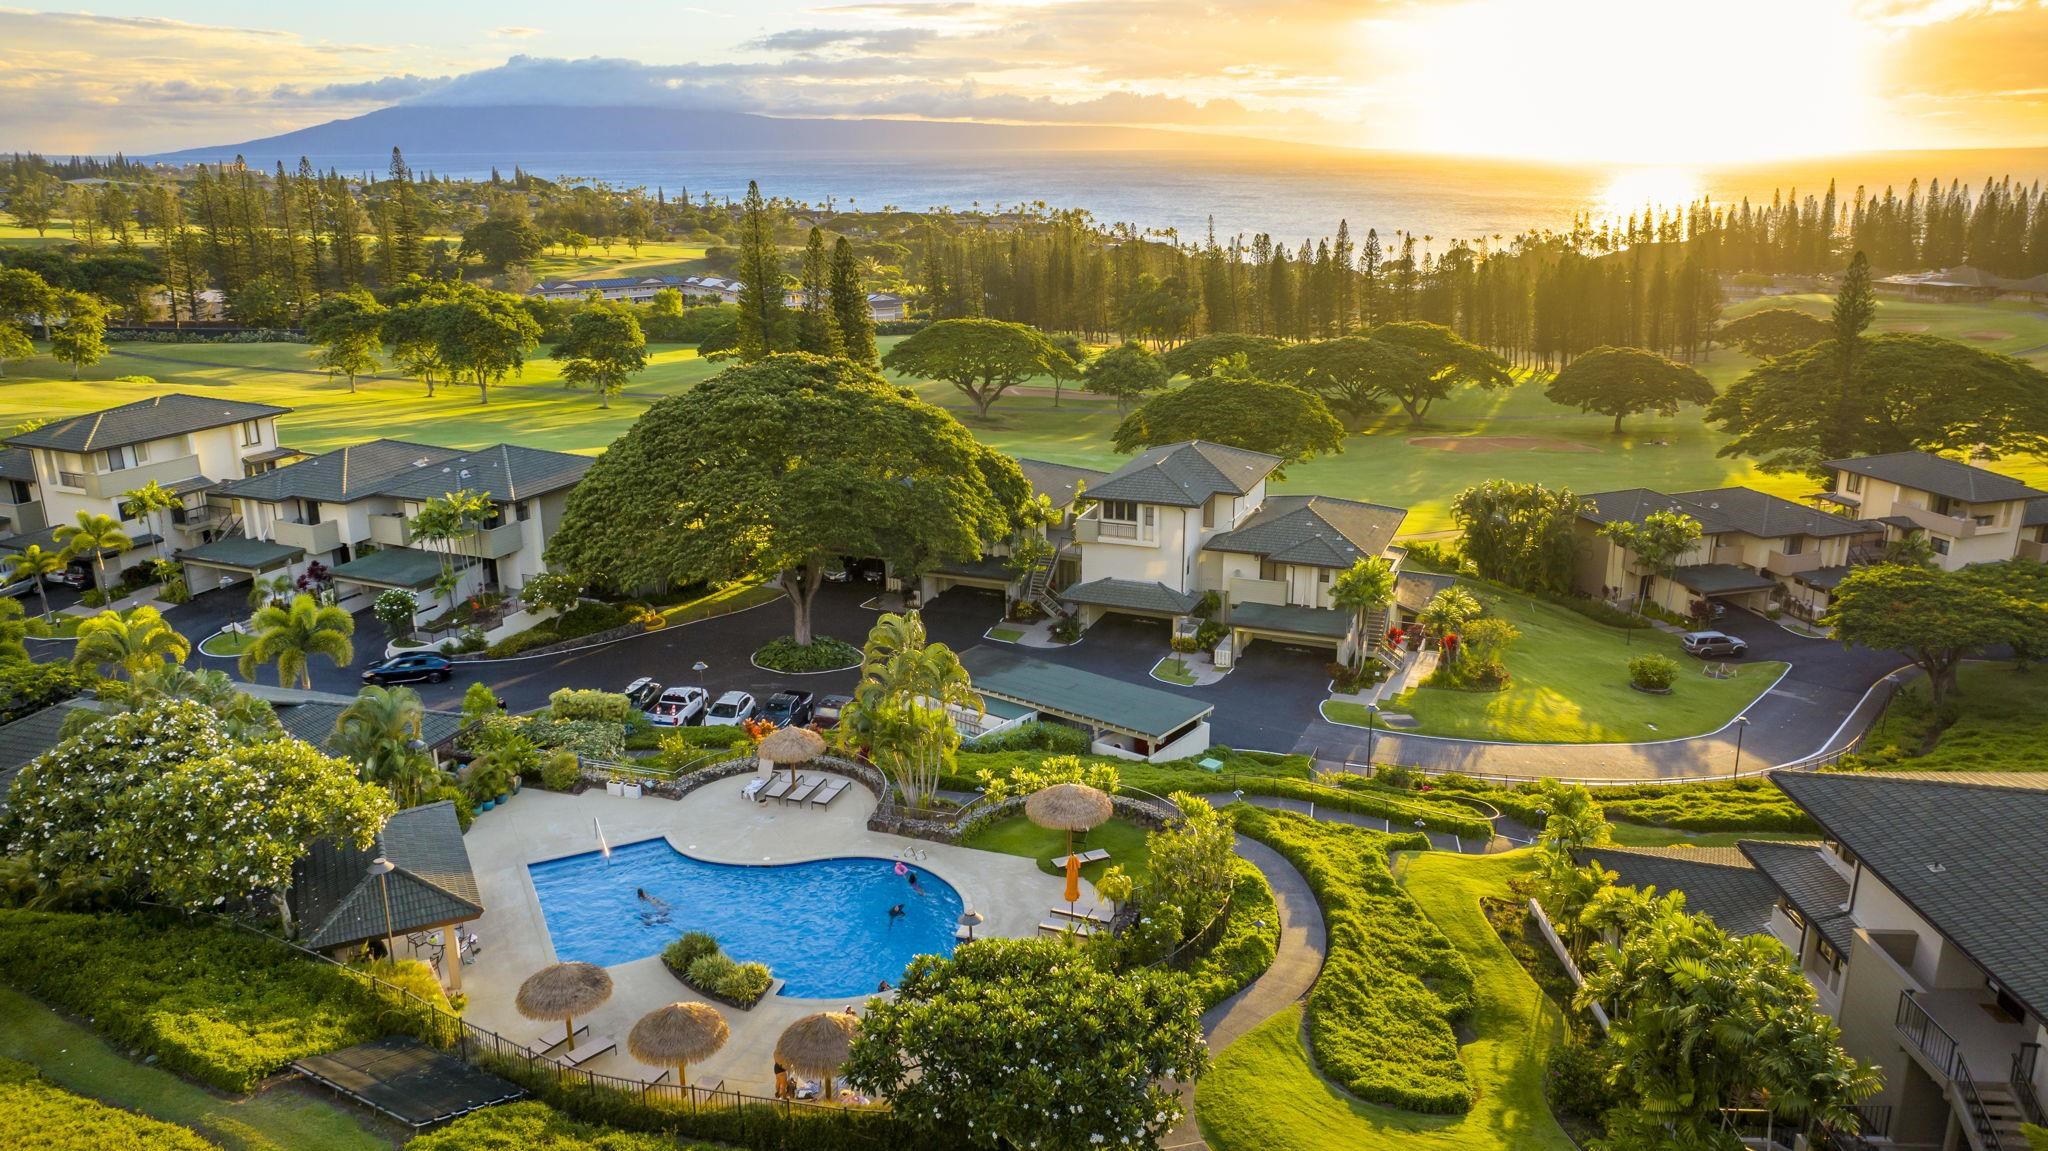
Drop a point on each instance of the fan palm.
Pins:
(146, 502)
(379, 732)
(1363, 589)
(137, 643)
(96, 534)
(291, 636)
(36, 564)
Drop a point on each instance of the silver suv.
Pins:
(1713, 644)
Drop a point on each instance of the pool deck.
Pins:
(715, 824)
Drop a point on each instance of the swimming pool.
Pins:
(822, 927)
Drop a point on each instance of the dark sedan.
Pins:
(410, 668)
(788, 708)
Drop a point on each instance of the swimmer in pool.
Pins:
(660, 912)
(895, 913)
(915, 885)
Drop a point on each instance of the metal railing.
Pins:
(2021, 1080)
(1932, 1039)
(1973, 1106)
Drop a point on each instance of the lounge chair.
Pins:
(1059, 862)
(1088, 917)
(801, 794)
(589, 1049)
(1065, 927)
(830, 792)
(661, 1078)
(550, 1039)
(753, 787)
(778, 789)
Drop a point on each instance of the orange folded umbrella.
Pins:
(1073, 878)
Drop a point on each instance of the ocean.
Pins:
(1288, 195)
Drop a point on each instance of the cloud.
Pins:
(514, 32)
(383, 90)
(844, 39)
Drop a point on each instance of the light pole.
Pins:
(382, 869)
(1372, 728)
(699, 667)
(1741, 725)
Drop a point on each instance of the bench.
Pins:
(548, 1040)
(591, 1049)
(830, 792)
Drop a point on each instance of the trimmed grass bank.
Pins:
(1994, 721)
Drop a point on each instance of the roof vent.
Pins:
(1938, 868)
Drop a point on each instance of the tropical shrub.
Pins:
(533, 1126)
(697, 960)
(560, 771)
(1249, 939)
(1653, 672)
(584, 703)
(1036, 735)
(822, 654)
(692, 946)
(35, 1112)
(1382, 1018)
(26, 688)
(395, 609)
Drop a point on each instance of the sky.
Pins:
(1611, 81)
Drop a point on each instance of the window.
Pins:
(1943, 506)
(1792, 913)
(252, 432)
(1829, 955)
(1122, 511)
(1323, 575)
(1940, 545)
(1852, 483)
(1794, 545)
(1209, 512)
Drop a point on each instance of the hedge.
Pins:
(1251, 937)
(223, 1006)
(37, 1113)
(1401, 809)
(537, 1127)
(1382, 1017)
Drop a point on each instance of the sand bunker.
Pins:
(1988, 336)
(1477, 445)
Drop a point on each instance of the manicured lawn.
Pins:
(1173, 669)
(1264, 1094)
(1006, 634)
(1643, 835)
(1570, 685)
(1017, 835)
(2002, 718)
(724, 601)
(226, 643)
(284, 1118)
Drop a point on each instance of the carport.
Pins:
(1291, 623)
(406, 569)
(989, 572)
(236, 560)
(1149, 599)
(1737, 585)
(1128, 720)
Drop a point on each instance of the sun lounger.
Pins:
(588, 1050)
(753, 788)
(661, 1078)
(550, 1039)
(830, 792)
(778, 789)
(1059, 862)
(1065, 927)
(1089, 916)
(801, 794)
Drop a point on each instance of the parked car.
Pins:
(680, 706)
(1712, 644)
(78, 575)
(20, 587)
(789, 708)
(826, 714)
(643, 692)
(410, 667)
(732, 709)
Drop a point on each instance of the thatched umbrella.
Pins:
(971, 919)
(563, 992)
(677, 1036)
(816, 1046)
(1068, 807)
(791, 745)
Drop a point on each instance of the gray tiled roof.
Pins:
(314, 720)
(1414, 589)
(408, 568)
(1319, 531)
(1634, 505)
(1131, 595)
(1967, 851)
(1810, 885)
(505, 472)
(1719, 882)
(1944, 477)
(243, 554)
(341, 903)
(2035, 515)
(1766, 516)
(1720, 579)
(17, 464)
(1058, 481)
(172, 414)
(341, 475)
(1186, 474)
(1319, 622)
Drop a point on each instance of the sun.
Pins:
(1630, 81)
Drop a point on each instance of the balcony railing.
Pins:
(1930, 1038)
(2021, 1080)
(1786, 564)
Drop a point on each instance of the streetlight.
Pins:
(699, 667)
(1741, 725)
(382, 869)
(1372, 726)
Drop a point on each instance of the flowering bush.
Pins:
(1025, 779)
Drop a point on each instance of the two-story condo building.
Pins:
(349, 510)
(1922, 924)
(21, 503)
(1182, 521)
(1755, 550)
(1969, 514)
(189, 444)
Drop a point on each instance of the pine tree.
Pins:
(849, 301)
(764, 320)
(817, 329)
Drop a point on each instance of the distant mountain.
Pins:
(429, 131)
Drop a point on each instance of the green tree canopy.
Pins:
(764, 326)
(1366, 587)
(1935, 618)
(1907, 391)
(982, 358)
(1769, 332)
(899, 707)
(1235, 408)
(1129, 371)
(1027, 1043)
(502, 241)
(1625, 381)
(1448, 361)
(81, 339)
(1197, 358)
(1657, 542)
(1351, 374)
(850, 314)
(23, 295)
(1522, 535)
(482, 335)
(291, 636)
(772, 470)
(93, 534)
(604, 345)
(136, 643)
(346, 327)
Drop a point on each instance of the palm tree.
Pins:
(899, 710)
(276, 589)
(137, 643)
(1363, 589)
(380, 731)
(291, 636)
(1913, 549)
(36, 564)
(241, 716)
(148, 500)
(96, 533)
(1447, 611)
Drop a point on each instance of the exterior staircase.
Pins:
(1991, 1114)
(1038, 585)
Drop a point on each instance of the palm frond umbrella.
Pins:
(563, 992)
(816, 1046)
(791, 745)
(677, 1036)
(1068, 807)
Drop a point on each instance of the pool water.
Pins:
(822, 927)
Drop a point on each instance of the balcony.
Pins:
(316, 539)
(110, 485)
(2034, 550)
(1957, 527)
(1780, 563)
(1957, 1025)
(389, 529)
